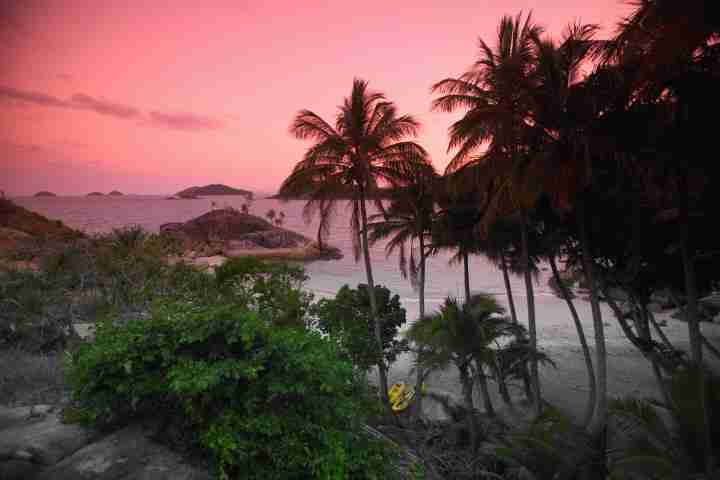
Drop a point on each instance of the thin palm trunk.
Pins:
(502, 385)
(532, 328)
(600, 415)
(482, 381)
(421, 308)
(592, 392)
(691, 315)
(467, 276)
(467, 390)
(508, 288)
(382, 373)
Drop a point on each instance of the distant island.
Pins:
(44, 194)
(115, 193)
(95, 194)
(214, 189)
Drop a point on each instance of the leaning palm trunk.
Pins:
(583, 342)
(421, 308)
(600, 415)
(534, 374)
(382, 373)
(513, 315)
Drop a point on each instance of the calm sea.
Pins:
(102, 214)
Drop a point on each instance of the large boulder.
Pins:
(37, 435)
(126, 454)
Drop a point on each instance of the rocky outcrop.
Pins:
(230, 233)
(35, 444)
(14, 218)
(25, 235)
(95, 194)
(44, 193)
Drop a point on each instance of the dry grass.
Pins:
(30, 379)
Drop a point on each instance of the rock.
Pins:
(41, 437)
(18, 469)
(126, 454)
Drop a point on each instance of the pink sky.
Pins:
(149, 99)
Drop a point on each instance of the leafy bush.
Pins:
(272, 289)
(267, 402)
(346, 319)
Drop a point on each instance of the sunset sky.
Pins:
(149, 99)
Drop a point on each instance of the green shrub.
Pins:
(346, 319)
(272, 289)
(265, 401)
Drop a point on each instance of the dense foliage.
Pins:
(347, 320)
(266, 402)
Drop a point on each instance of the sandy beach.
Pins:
(565, 386)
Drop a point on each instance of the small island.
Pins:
(213, 189)
(45, 193)
(95, 194)
(227, 233)
(116, 193)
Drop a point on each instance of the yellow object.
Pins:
(400, 396)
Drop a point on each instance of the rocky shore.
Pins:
(227, 233)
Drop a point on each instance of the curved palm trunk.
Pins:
(600, 415)
(382, 373)
(467, 276)
(421, 308)
(534, 374)
(589, 409)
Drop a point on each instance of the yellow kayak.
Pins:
(401, 395)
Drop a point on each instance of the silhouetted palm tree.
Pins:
(495, 93)
(364, 147)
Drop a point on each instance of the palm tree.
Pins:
(562, 166)
(407, 220)
(677, 44)
(464, 335)
(495, 93)
(365, 146)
